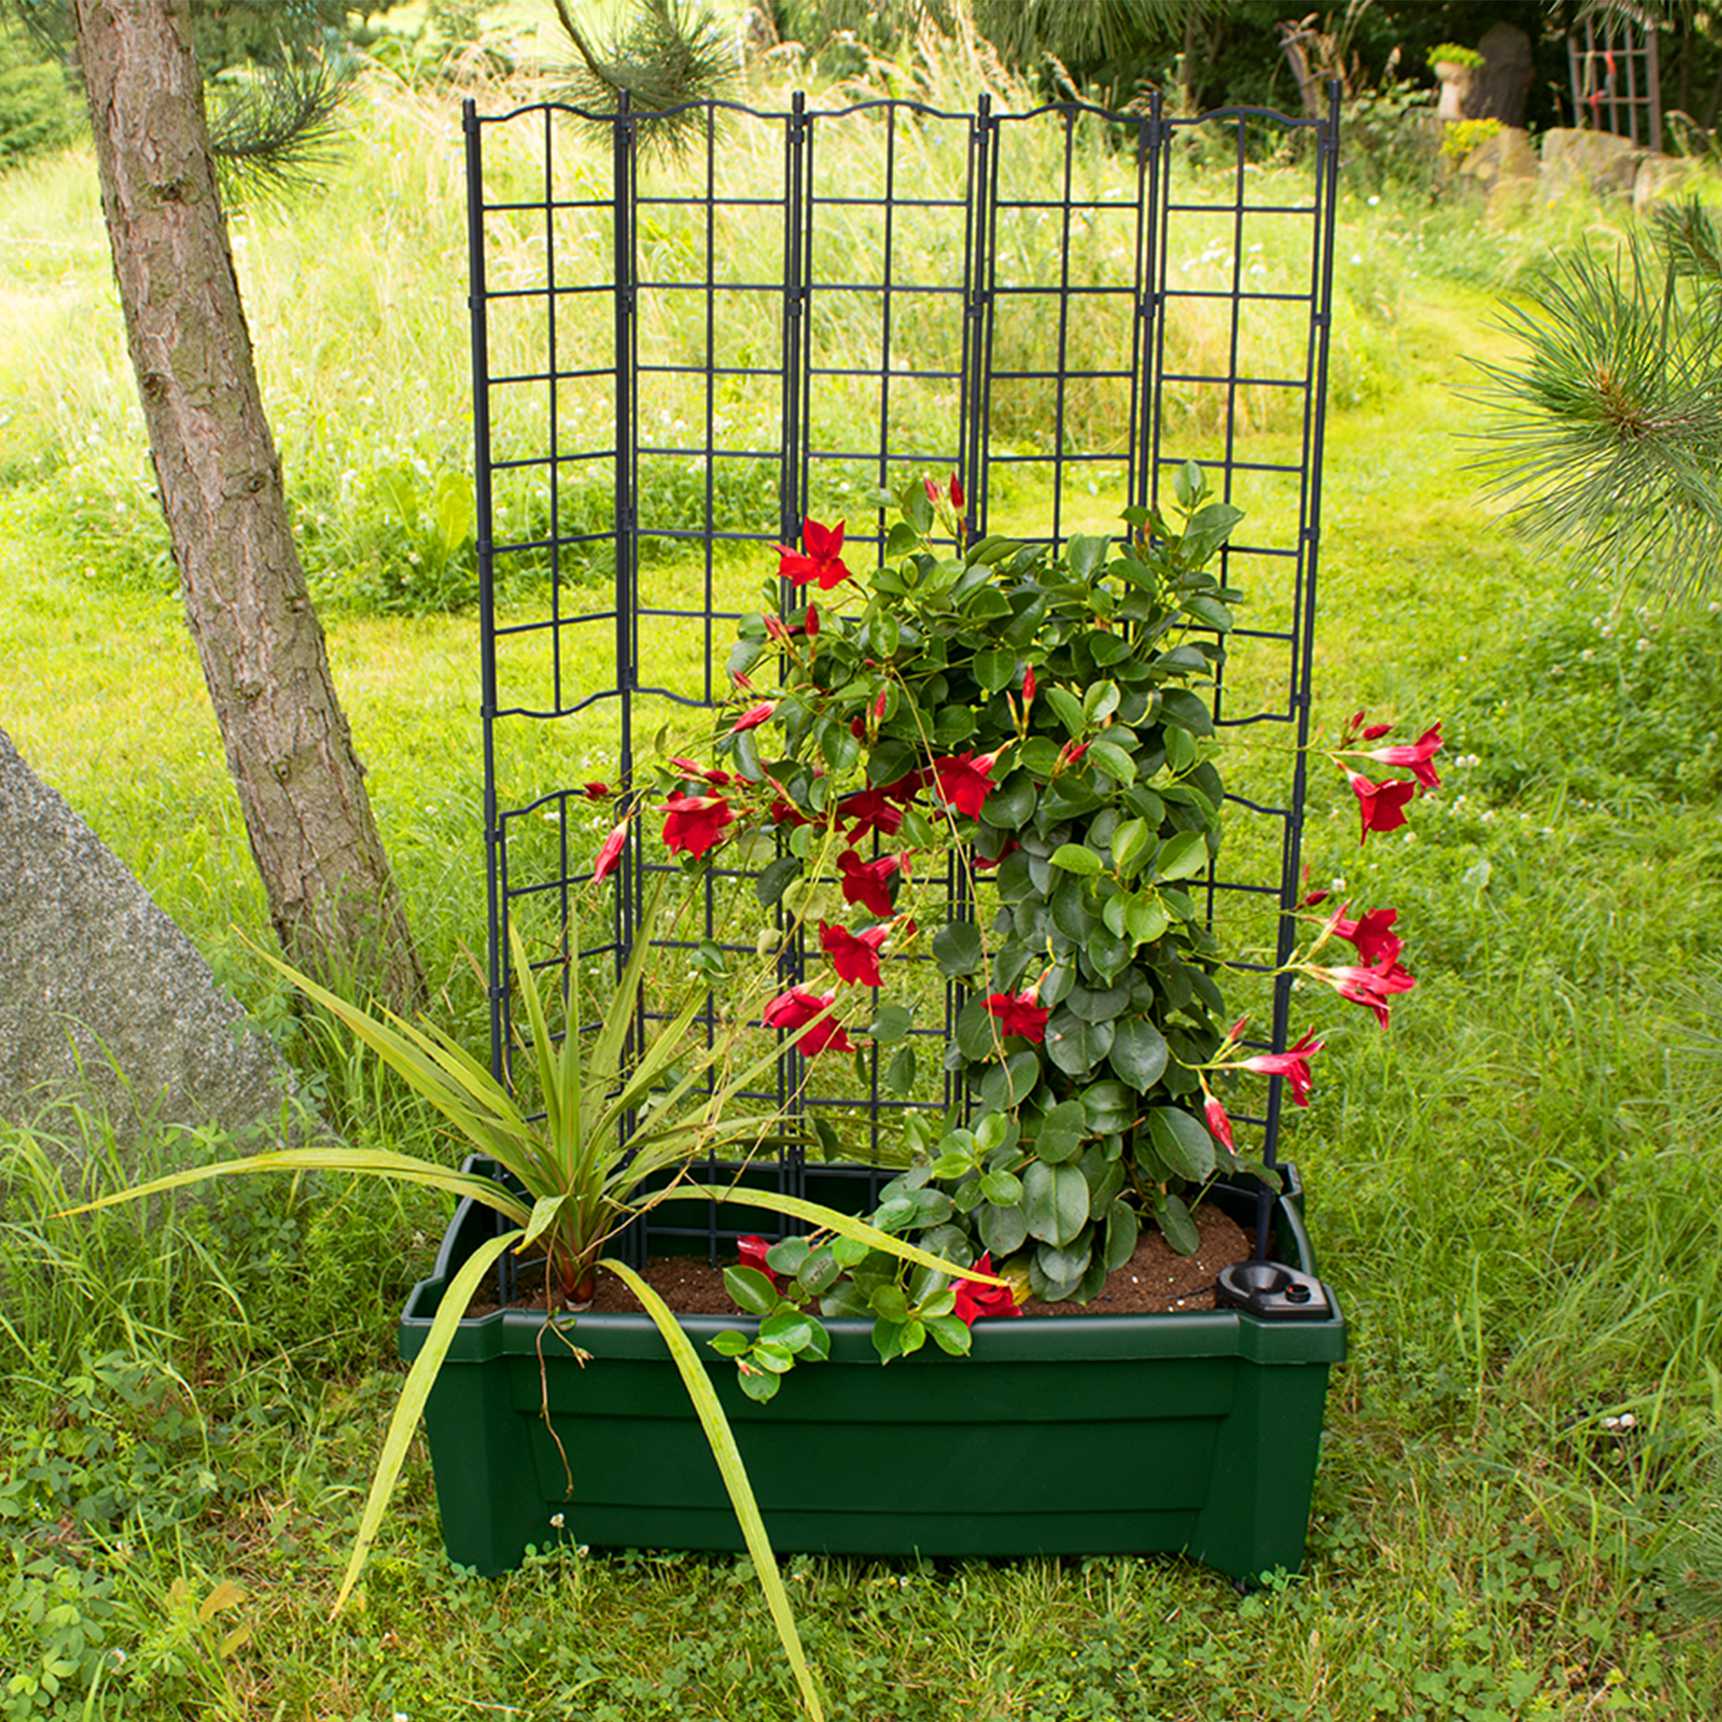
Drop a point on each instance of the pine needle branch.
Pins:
(667, 54)
(1607, 426)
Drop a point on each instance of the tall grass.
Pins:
(356, 296)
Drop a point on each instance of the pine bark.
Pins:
(301, 786)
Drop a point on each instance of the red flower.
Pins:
(754, 716)
(975, 1300)
(776, 628)
(956, 492)
(610, 853)
(695, 823)
(822, 563)
(965, 781)
(1376, 731)
(1219, 1125)
(855, 956)
(812, 622)
(934, 495)
(1017, 1013)
(783, 811)
(879, 706)
(1381, 804)
(904, 788)
(1072, 752)
(1372, 933)
(872, 810)
(1371, 987)
(1417, 755)
(750, 1253)
(692, 768)
(595, 791)
(1029, 684)
(1292, 1064)
(869, 882)
(798, 1007)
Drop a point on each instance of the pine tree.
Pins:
(1606, 425)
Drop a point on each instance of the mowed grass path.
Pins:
(1513, 1192)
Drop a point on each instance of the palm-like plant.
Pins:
(626, 1113)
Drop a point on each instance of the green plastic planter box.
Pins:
(1192, 1433)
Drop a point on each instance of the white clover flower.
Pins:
(557, 1521)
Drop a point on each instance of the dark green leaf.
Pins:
(750, 1290)
(774, 879)
(1073, 858)
(957, 948)
(1055, 1199)
(1139, 1053)
(1177, 1226)
(1122, 1231)
(1184, 856)
(1182, 1141)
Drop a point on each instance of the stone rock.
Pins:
(1658, 176)
(1599, 160)
(95, 978)
(1509, 202)
(1507, 155)
(1502, 85)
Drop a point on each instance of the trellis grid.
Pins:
(741, 280)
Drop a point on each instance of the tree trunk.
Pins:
(301, 787)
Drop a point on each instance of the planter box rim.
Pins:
(1161, 1333)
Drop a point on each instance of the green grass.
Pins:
(1513, 1191)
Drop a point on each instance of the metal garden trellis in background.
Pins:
(676, 356)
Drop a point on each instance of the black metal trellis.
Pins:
(982, 368)
(1616, 78)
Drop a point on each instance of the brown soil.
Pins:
(1154, 1280)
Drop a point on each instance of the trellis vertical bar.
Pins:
(1303, 627)
(1142, 322)
(986, 276)
(796, 356)
(628, 895)
(495, 977)
(1630, 55)
(1059, 384)
(1653, 77)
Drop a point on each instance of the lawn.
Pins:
(1511, 1191)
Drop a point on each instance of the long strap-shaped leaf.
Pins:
(827, 1218)
(420, 1379)
(367, 1162)
(722, 1441)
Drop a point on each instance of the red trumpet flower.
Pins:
(695, 823)
(965, 781)
(821, 562)
(750, 1253)
(610, 853)
(1370, 987)
(1417, 755)
(869, 882)
(754, 716)
(871, 810)
(1018, 1013)
(1219, 1125)
(1382, 805)
(1372, 933)
(797, 1008)
(1292, 1064)
(855, 956)
(975, 1300)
